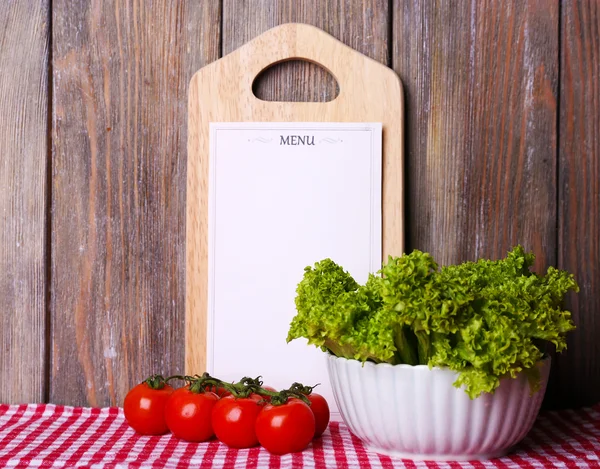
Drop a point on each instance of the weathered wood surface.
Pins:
(121, 73)
(23, 168)
(502, 146)
(481, 83)
(578, 371)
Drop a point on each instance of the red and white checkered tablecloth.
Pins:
(58, 436)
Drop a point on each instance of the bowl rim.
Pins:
(546, 358)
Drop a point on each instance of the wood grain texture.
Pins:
(578, 370)
(222, 92)
(481, 82)
(121, 74)
(23, 170)
(362, 25)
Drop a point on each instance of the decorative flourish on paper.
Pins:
(330, 140)
(260, 139)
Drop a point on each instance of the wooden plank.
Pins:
(121, 74)
(481, 87)
(222, 92)
(578, 370)
(23, 164)
(362, 25)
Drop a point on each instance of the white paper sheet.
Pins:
(283, 196)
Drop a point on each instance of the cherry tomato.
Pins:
(188, 414)
(144, 408)
(234, 420)
(286, 428)
(320, 409)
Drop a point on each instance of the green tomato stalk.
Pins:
(244, 388)
(156, 381)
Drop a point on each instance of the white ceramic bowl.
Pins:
(413, 412)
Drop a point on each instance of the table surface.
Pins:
(37, 435)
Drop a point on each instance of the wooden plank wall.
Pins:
(121, 71)
(578, 370)
(481, 133)
(24, 96)
(503, 147)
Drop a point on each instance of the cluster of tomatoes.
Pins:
(241, 415)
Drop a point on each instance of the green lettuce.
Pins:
(486, 320)
(335, 313)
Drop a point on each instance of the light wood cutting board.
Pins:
(222, 92)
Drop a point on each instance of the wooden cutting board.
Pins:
(222, 92)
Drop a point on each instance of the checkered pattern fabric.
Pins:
(58, 436)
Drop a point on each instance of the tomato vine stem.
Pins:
(156, 382)
(242, 389)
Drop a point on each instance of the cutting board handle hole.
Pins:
(296, 81)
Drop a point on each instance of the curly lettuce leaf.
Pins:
(333, 314)
(423, 301)
(512, 310)
(322, 287)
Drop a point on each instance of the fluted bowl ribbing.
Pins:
(414, 412)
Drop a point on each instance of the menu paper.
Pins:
(283, 196)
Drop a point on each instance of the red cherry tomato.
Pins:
(144, 408)
(320, 409)
(286, 428)
(188, 414)
(234, 420)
